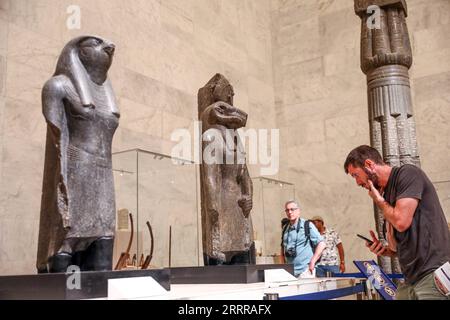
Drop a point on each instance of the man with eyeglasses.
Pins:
(302, 243)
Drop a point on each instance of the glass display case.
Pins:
(162, 191)
(269, 197)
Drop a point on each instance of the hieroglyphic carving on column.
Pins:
(386, 58)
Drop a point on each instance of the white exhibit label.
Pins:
(272, 276)
(133, 288)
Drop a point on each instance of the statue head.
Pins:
(96, 54)
(217, 89)
(84, 60)
(225, 115)
(223, 91)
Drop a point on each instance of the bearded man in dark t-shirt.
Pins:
(416, 225)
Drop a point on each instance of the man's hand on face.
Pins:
(374, 193)
(246, 204)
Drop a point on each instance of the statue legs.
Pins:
(210, 261)
(97, 255)
(245, 257)
(233, 258)
(59, 262)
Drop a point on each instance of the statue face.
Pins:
(96, 53)
(228, 116)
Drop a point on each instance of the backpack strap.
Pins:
(307, 229)
(308, 234)
(282, 233)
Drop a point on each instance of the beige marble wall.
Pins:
(294, 65)
(321, 105)
(166, 50)
(3, 51)
(429, 26)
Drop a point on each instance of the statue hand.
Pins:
(246, 204)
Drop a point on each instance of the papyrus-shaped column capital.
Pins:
(361, 6)
(384, 34)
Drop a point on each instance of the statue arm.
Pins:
(212, 183)
(53, 95)
(246, 202)
(53, 107)
(246, 182)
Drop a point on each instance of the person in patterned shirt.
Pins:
(329, 260)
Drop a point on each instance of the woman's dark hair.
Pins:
(359, 155)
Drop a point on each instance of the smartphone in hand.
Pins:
(364, 238)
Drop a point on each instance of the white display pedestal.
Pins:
(134, 288)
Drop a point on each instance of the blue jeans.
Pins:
(321, 271)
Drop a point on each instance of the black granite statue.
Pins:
(77, 221)
(226, 189)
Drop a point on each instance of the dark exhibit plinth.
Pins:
(224, 273)
(93, 284)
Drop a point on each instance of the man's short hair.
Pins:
(292, 201)
(359, 155)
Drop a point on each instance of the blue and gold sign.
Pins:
(378, 279)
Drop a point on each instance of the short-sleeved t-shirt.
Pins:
(292, 239)
(425, 245)
(330, 256)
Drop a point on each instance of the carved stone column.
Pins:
(386, 58)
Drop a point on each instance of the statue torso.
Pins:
(90, 180)
(91, 129)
